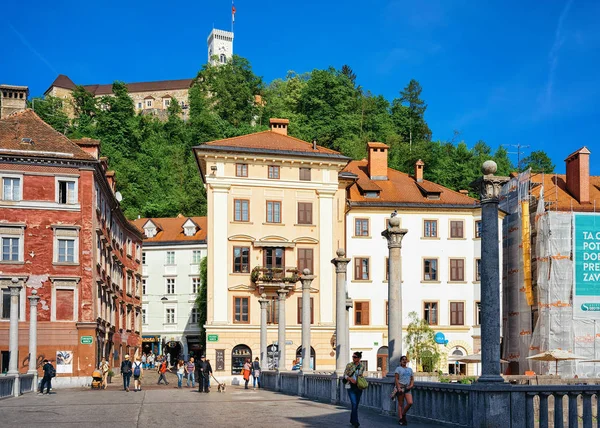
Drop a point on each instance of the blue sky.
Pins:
(506, 72)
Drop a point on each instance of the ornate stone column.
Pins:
(13, 341)
(33, 302)
(282, 293)
(263, 331)
(306, 280)
(394, 235)
(341, 324)
(489, 187)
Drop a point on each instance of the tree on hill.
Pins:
(52, 111)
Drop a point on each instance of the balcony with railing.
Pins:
(273, 277)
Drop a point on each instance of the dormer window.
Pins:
(150, 229)
(371, 194)
(190, 228)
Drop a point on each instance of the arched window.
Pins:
(239, 354)
(456, 367)
(382, 360)
(223, 59)
(313, 357)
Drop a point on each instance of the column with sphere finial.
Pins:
(394, 235)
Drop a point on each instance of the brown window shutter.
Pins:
(301, 215)
(299, 318)
(365, 320)
(308, 210)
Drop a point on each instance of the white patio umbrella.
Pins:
(555, 355)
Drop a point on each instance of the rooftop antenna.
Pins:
(518, 152)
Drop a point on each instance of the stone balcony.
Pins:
(269, 278)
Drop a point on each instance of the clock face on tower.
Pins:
(222, 48)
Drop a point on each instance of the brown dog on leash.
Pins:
(220, 386)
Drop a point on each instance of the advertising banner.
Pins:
(586, 260)
(64, 361)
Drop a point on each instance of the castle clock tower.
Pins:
(220, 46)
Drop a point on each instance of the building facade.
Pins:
(64, 235)
(275, 206)
(440, 259)
(12, 99)
(220, 46)
(172, 251)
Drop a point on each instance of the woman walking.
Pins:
(138, 371)
(246, 372)
(351, 374)
(162, 369)
(104, 368)
(404, 383)
(180, 373)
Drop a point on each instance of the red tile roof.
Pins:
(85, 141)
(41, 140)
(271, 141)
(171, 229)
(162, 85)
(559, 198)
(400, 188)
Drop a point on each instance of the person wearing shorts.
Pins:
(404, 383)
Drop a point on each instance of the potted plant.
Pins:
(109, 376)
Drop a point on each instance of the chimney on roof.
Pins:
(13, 99)
(578, 175)
(378, 161)
(110, 177)
(419, 170)
(89, 145)
(279, 125)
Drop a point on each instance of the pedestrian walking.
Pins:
(126, 368)
(144, 361)
(180, 373)
(191, 368)
(204, 372)
(255, 373)
(49, 373)
(246, 372)
(138, 373)
(162, 369)
(169, 361)
(351, 374)
(151, 360)
(404, 384)
(104, 368)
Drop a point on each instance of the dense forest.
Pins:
(154, 163)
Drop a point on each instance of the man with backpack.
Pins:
(49, 373)
(126, 369)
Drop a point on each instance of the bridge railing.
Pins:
(26, 383)
(6, 386)
(455, 404)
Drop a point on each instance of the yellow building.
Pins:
(275, 206)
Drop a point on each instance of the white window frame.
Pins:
(148, 103)
(12, 176)
(166, 102)
(167, 285)
(198, 285)
(168, 259)
(194, 316)
(65, 284)
(199, 253)
(75, 199)
(144, 314)
(66, 233)
(8, 231)
(144, 258)
(167, 309)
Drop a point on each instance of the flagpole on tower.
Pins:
(232, 15)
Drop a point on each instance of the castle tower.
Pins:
(220, 45)
(12, 99)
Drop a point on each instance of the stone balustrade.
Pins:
(455, 404)
(6, 386)
(27, 383)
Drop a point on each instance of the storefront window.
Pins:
(239, 354)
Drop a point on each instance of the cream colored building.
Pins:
(274, 206)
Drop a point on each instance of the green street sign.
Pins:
(86, 340)
(212, 337)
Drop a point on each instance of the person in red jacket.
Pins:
(162, 369)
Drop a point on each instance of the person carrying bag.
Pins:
(352, 375)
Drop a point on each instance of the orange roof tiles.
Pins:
(559, 198)
(373, 145)
(41, 140)
(272, 142)
(401, 188)
(171, 229)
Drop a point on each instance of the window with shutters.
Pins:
(241, 259)
(241, 310)
(477, 313)
(430, 272)
(273, 212)
(361, 269)
(457, 269)
(312, 312)
(361, 227)
(273, 310)
(477, 270)
(305, 259)
(241, 210)
(361, 313)
(305, 213)
(305, 174)
(477, 229)
(456, 229)
(430, 312)
(457, 313)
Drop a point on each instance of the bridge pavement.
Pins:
(168, 406)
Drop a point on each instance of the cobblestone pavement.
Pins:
(173, 407)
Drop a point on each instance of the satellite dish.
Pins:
(119, 196)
